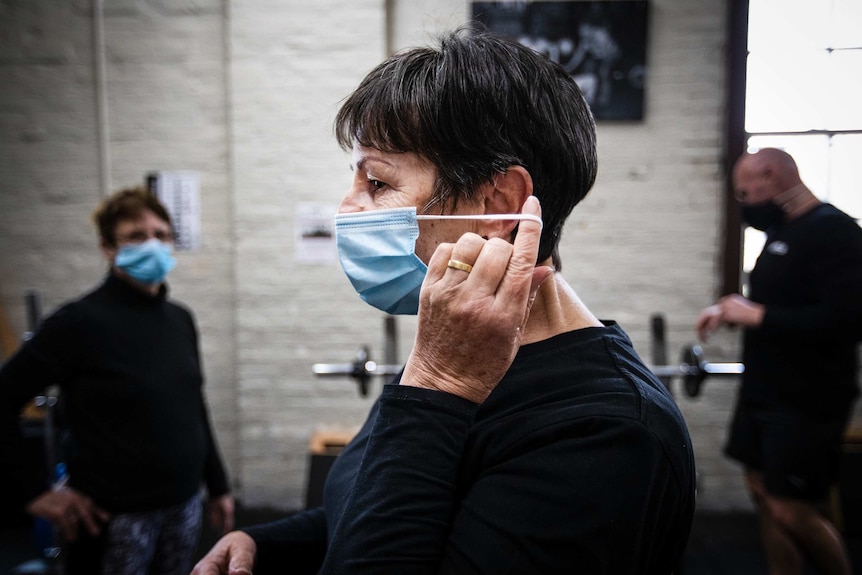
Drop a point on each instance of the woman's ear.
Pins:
(505, 194)
(109, 252)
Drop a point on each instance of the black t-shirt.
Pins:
(578, 461)
(809, 277)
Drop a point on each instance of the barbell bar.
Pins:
(362, 368)
(693, 369)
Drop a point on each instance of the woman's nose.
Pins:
(351, 202)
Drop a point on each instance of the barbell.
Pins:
(693, 369)
(361, 369)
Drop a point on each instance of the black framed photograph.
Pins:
(601, 44)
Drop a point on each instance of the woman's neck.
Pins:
(557, 309)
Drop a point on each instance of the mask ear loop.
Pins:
(520, 217)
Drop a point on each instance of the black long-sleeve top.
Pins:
(809, 277)
(578, 462)
(129, 371)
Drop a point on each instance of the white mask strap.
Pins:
(531, 217)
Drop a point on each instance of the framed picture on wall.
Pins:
(601, 44)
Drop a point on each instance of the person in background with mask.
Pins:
(802, 322)
(126, 361)
(523, 435)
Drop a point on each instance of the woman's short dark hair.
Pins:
(126, 204)
(473, 106)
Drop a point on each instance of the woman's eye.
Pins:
(376, 184)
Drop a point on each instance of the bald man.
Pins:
(802, 322)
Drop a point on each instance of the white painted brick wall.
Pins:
(167, 110)
(245, 93)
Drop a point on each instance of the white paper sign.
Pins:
(315, 232)
(179, 192)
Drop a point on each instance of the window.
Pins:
(803, 89)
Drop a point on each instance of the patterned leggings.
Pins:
(161, 542)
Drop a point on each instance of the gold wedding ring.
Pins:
(456, 265)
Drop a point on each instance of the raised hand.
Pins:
(472, 317)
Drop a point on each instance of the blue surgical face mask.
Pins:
(376, 250)
(147, 262)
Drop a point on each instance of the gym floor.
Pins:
(720, 544)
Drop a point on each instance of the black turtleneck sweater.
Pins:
(578, 462)
(128, 368)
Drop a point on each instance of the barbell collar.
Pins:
(723, 368)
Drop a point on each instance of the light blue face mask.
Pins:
(376, 250)
(147, 262)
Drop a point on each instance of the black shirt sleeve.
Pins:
(214, 474)
(298, 541)
(41, 362)
(399, 513)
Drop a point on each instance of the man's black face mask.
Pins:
(762, 216)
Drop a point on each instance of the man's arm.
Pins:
(836, 274)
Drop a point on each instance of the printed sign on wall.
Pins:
(179, 192)
(315, 232)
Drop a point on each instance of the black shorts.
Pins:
(798, 456)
